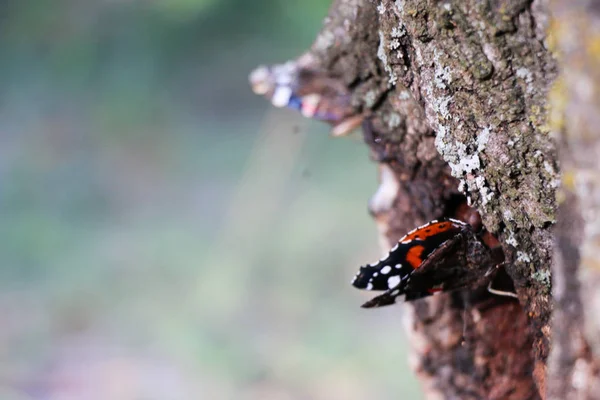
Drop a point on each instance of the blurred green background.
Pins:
(165, 233)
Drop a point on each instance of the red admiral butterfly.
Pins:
(299, 86)
(442, 255)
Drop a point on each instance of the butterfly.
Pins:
(442, 255)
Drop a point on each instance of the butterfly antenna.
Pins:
(501, 292)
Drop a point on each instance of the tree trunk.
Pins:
(454, 97)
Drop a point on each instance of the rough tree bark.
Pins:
(454, 96)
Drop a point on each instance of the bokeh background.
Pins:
(165, 234)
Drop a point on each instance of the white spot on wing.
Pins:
(369, 286)
(386, 270)
(398, 266)
(393, 281)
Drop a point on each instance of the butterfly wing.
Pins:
(439, 256)
(387, 273)
(429, 278)
(406, 256)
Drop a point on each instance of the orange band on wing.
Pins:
(426, 231)
(413, 256)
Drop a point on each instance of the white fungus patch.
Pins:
(381, 54)
(486, 195)
(440, 145)
(512, 240)
(370, 98)
(394, 120)
(484, 191)
(525, 74)
(491, 52)
(325, 40)
(439, 104)
(442, 106)
(542, 276)
(398, 32)
(400, 6)
(555, 181)
(462, 163)
(463, 157)
(467, 164)
(442, 77)
(483, 138)
(523, 257)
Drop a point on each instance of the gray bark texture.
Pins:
(463, 103)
